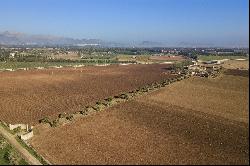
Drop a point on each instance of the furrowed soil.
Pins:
(235, 72)
(27, 96)
(195, 121)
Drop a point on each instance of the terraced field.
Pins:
(27, 96)
(195, 121)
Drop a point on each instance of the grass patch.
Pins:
(8, 155)
(3, 160)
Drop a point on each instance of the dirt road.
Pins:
(24, 153)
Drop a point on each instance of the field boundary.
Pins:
(64, 118)
(111, 101)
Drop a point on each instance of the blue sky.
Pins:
(205, 21)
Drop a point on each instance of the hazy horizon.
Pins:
(201, 22)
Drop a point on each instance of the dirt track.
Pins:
(166, 127)
(27, 96)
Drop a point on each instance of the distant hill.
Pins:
(151, 44)
(16, 38)
(21, 39)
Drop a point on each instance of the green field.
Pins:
(122, 57)
(15, 65)
(213, 57)
(30, 65)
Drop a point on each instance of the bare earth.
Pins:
(27, 96)
(234, 64)
(195, 121)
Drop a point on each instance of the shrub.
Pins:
(163, 84)
(44, 120)
(62, 115)
(17, 130)
(96, 108)
(83, 112)
(167, 82)
(88, 107)
(156, 85)
(70, 117)
(54, 123)
(124, 96)
(142, 89)
(105, 104)
(98, 103)
(151, 87)
(109, 99)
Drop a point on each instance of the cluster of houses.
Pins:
(200, 69)
(205, 68)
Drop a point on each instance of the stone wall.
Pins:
(23, 126)
(27, 136)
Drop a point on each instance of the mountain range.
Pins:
(8, 38)
(17, 38)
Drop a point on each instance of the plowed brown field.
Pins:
(27, 96)
(195, 121)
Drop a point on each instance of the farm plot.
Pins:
(225, 96)
(236, 64)
(195, 121)
(168, 58)
(32, 65)
(235, 72)
(28, 96)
